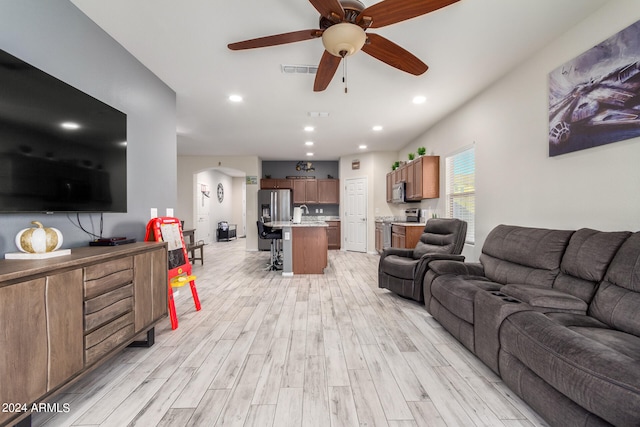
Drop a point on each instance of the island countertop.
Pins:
(283, 224)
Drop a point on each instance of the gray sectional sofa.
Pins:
(555, 313)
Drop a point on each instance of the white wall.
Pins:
(190, 166)
(239, 202)
(373, 166)
(214, 210)
(516, 181)
(58, 38)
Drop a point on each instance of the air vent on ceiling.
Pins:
(299, 69)
(318, 114)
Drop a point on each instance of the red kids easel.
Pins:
(167, 229)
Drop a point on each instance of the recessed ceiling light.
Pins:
(362, 146)
(70, 125)
(419, 99)
(235, 98)
(309, 128)
(377, 128)
(309, 154)
(309, 143)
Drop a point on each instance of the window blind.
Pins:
(461, 189)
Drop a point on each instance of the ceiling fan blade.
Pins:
(330, 9)
(392, 54)
(389, 12)
(326, 70)
(278, 39)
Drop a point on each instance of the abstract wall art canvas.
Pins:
(594, 99)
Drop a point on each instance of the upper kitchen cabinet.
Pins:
(275, 184)
(329, 191)
(422, 177)
(305, 191)
(316, 191)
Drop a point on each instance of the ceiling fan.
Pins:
(342, 28)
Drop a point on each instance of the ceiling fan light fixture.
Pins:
(343, 39)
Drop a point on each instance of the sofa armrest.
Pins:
(441, 257)
(546, 299)
(491, 308)
(440, 267)
(408, 253)
(425, 262)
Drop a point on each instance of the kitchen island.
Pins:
(304, 246)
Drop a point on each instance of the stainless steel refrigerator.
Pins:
(273, 205)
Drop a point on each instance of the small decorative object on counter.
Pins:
(422, 151)
(39, 240)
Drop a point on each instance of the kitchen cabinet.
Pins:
(329, 191)
(311, 192)
(423, 178)
(309, 249)
(275, 184)
(305, 191)
(299, 191)
(333, 234)
(406, 236)
(316, 191)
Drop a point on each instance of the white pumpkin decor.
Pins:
(39, 240)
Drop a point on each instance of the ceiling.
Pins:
(467, 45)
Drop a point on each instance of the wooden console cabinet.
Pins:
(62, 316)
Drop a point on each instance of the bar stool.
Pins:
(265, 232)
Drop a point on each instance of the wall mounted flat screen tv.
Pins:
(61, 150)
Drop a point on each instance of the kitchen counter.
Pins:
(283, 224)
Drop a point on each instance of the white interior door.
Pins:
(356, 215)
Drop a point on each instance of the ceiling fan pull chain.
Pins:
(344, 73)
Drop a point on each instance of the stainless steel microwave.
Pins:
(398, 193)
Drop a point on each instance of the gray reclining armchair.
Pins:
(402, 270)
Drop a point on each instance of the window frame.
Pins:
(468, 196)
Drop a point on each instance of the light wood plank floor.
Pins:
(312, 350)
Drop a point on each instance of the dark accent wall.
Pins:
(282, 169)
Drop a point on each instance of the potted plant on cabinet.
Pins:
(421, 151)
(411, 156)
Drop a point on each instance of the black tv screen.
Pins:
(61, 150)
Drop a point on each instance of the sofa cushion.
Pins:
(617, 300)
(586, 260)
(532, 256)
(553, 299)
(456, 293)
(593, 365)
